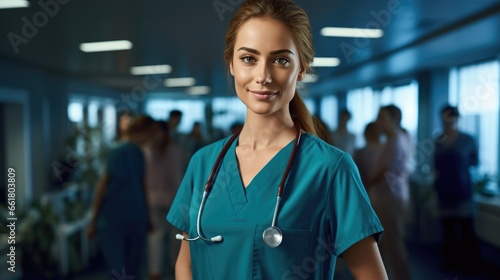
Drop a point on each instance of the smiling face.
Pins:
(265, 66)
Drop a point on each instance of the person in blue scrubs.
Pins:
(324, 212)
(120, 211)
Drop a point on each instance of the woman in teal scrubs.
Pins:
(119, 210)
(324, 211)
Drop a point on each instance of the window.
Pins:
(226, 111)
(98, 114)
(474, 90)
(109, 123)
(75, 111)
(329, 111)
(311, 106)
(364, 104)
(193, 111)
(93, 108)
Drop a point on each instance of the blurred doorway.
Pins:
(15, 145)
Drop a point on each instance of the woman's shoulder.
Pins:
(466, 136)
(318, 149)
(126, 147)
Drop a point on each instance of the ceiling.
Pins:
(189, 36)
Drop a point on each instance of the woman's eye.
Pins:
(247, 59)
(282, 61)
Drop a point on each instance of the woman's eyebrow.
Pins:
(282, 51)
(254, 51)
(250, 50)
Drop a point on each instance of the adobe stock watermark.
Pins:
(74, 159)
(485, 90)
(323, 251)
(223, 6)
(131, 100)
(381, 19)
(122, 276)
(40, 19)
(126, 102)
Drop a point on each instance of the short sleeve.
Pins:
(349, 211)
(117, 163)
(178, 215)
(111, 163)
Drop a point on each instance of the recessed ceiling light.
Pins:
(198, 90)
(151, 69)
(106, 46)
(180, 82)
(325, 62)
(10, 4)
(351, 32)
(310, 78)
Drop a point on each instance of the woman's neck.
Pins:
(261, 132)
(373, 144)
(342, 127)
(450, 132)
(393, 131)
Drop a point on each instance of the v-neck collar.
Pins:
(267, 178)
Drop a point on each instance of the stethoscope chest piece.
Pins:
(272, 237)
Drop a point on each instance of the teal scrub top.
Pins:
(124, 201)
(324, 210)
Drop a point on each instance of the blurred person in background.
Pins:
(165, 162)
(195, 140)
(120, 210)
(342, 138)
(455, 153)
(174, 119)
(388, 189)
(125, 119)
(366, 157)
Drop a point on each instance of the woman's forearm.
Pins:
(99, 196)
(364, 260)
(183, 263)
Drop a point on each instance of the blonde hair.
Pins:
(296, 19)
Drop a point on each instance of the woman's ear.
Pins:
(302, 74)
(231, 68)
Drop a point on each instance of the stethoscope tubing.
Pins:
(210, 182)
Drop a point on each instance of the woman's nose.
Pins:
(263, 75)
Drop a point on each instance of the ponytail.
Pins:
(301, 115)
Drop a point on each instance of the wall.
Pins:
(46, 100)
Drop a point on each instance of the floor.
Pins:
(424, 258)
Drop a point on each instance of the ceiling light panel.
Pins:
(326, 62)
(106, 46)
(198, 90)
(151, 69)
(180, 82)
(11, 4)
(351, 32)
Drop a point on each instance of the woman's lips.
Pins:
(264, 94)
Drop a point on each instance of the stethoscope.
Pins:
(272, 235)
